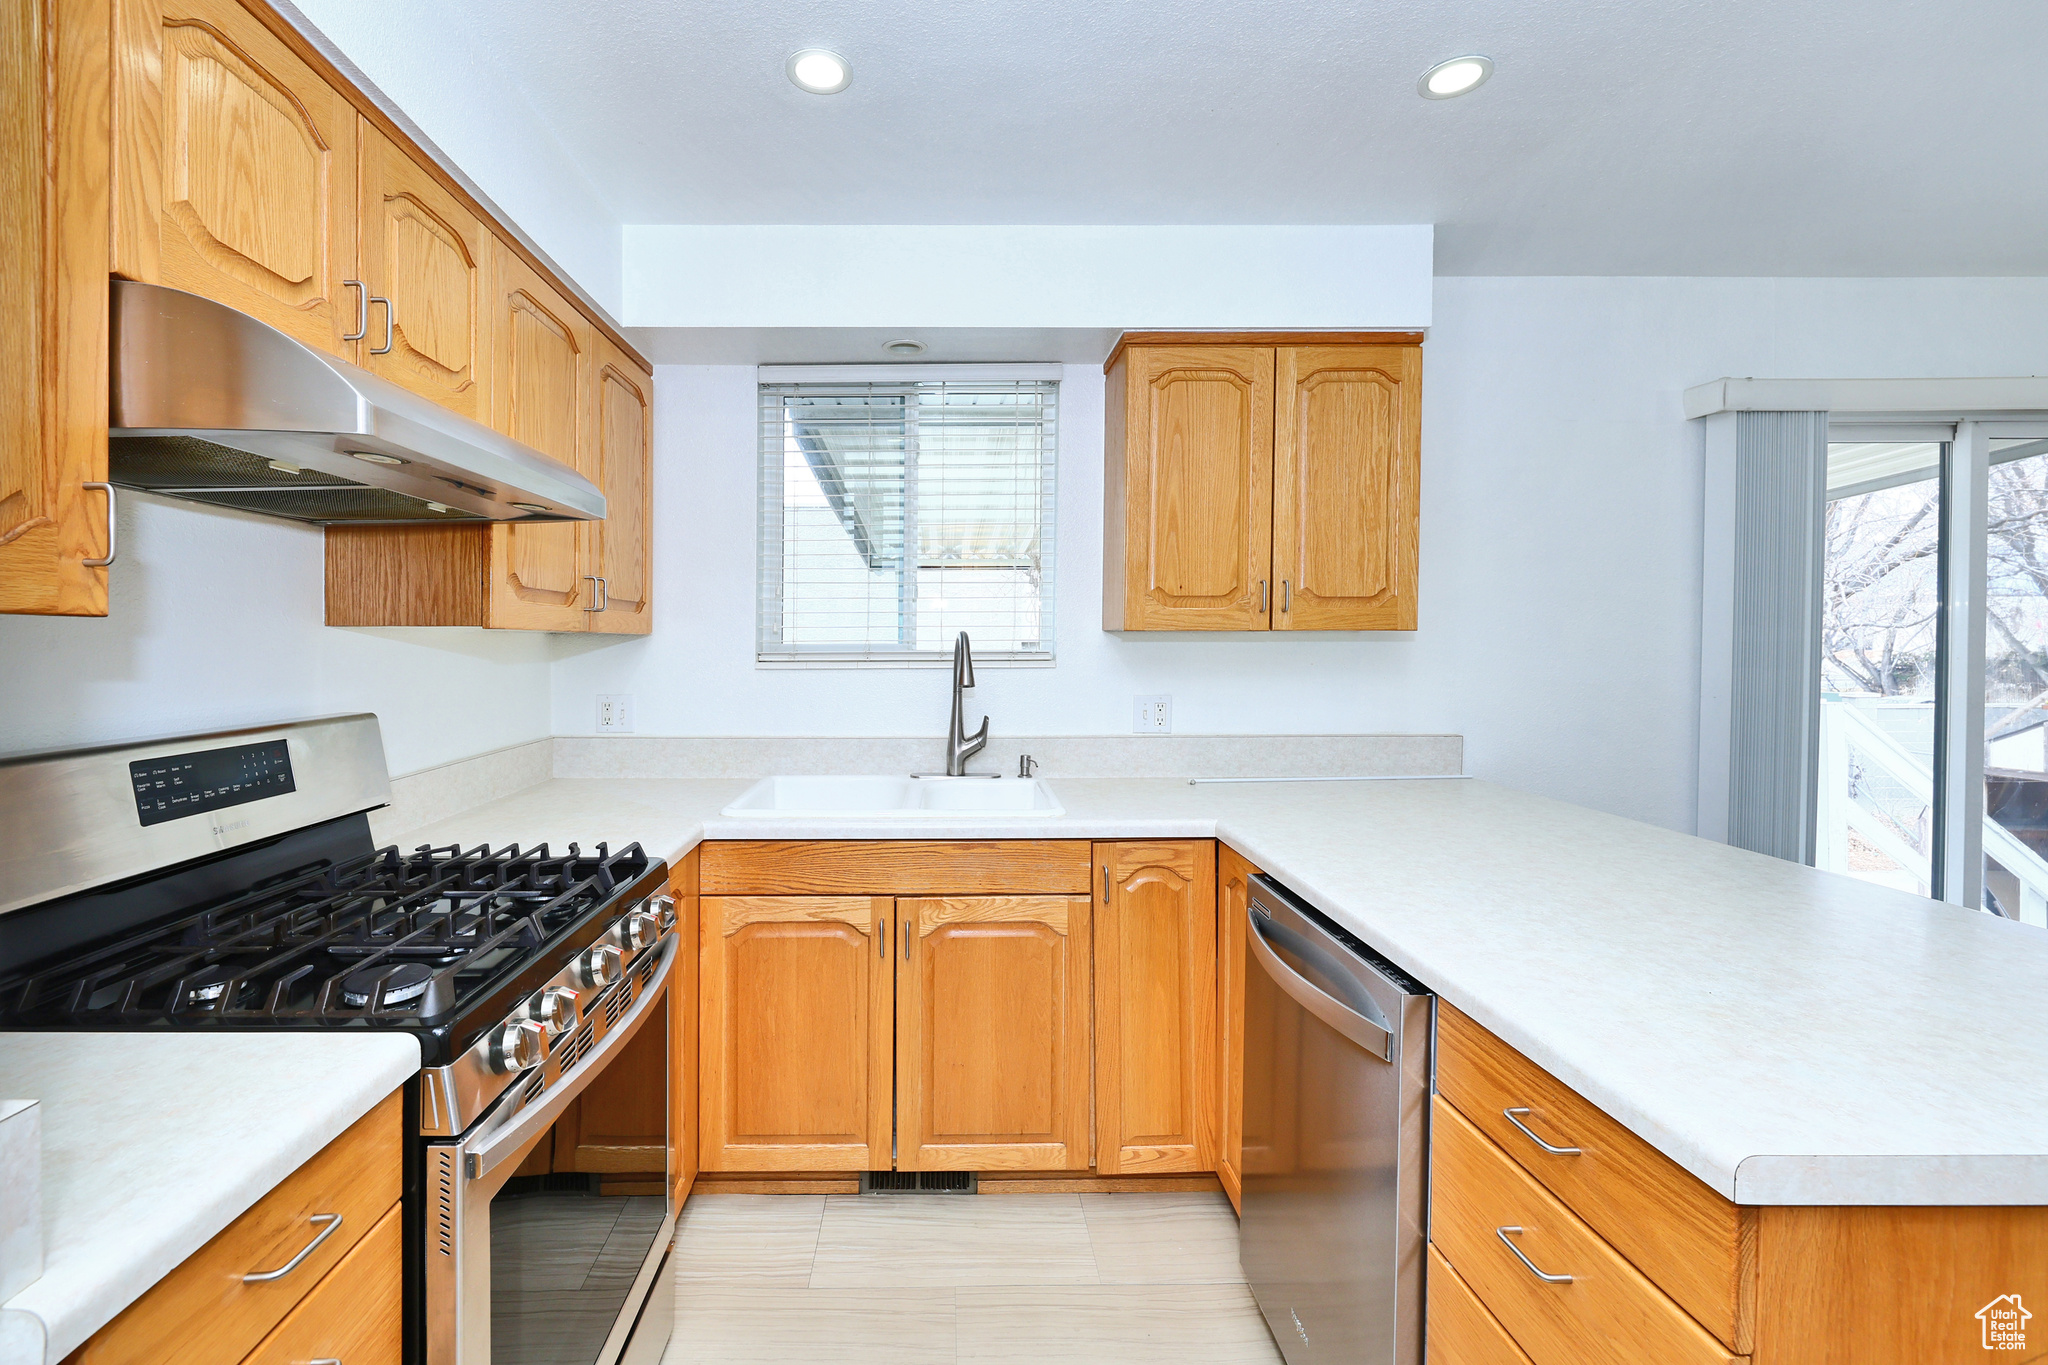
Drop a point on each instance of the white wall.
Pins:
(1560, 543)
(1024, 276)
(216, 622)
(422, 54)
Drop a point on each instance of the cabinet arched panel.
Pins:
(1155, 1007)
(426, 253)
(239, 161)
(795, 1041)
(623, 444)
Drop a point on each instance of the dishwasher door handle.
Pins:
(1367, 1033)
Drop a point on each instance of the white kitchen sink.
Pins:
(896, 798)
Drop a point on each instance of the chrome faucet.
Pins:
(961, 746)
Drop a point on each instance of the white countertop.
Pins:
(154, 1142)
(1788, 1036)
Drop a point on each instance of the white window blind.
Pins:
(895, 514)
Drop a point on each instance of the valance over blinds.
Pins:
(896, 514)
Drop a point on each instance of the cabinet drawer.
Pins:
(897, 867)
(1689, 1240)
(1461, 1331)
(354, 1315)
(1607, 1314)
(205, 1313)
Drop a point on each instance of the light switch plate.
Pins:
(615, 713)
(1152, 715)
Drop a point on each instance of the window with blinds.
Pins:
(895, 515)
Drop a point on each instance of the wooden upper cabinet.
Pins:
(54, 152)
(622, 442)
(795, 1043)
(1346, 461)
(992, 1041)
(1261, 481)
(236, 168)
(1189, 487)
(425, 254)
(1155, 1007)
(542, 369)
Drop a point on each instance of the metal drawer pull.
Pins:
(1502, 1233)
(112, 548)
(333, 1221)
(1509, 1115)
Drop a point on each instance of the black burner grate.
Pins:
(385, 938)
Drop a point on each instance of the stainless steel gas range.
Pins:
(230, 881)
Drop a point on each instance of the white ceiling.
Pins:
(1818, 137)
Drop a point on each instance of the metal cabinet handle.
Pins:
(390, 325)
(1502, 1233)
(1286, 596)
(1105, 883)
(1263, 608)
(362, 322)
(882, 939)
(112, 548)
(333, 1221)
(593, 580)
(906, 940)
(1509, 1115)
(604, 600)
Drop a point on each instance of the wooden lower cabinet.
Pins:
(992, 1049)
(1665, 1269)
(205, 1313)
(797, 994)
(1155, 1006)
(1233, 898)
(355, 1315)
(1461, 1331)
(963, 998)
(683, 1027)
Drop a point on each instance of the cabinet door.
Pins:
(796, 994)
(237, 164)
(992, 1033)
(541, 368)
(1155, 1007)
(425, 252)
(1346, 460)
(622, 442)
(53, 293)
(1233, 895)
(1189, 489)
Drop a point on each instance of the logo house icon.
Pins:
(2005, 1323)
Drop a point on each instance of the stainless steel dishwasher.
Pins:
(1336, 1125)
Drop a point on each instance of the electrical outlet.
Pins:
(615, 713)
(1152, 715)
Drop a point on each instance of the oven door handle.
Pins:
(486, 1150)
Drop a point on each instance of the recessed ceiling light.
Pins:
(818, 71)
(372, 457)
(530, 506)
(904, 346)
(1458, 76)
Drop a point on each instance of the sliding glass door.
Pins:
(1932, 771)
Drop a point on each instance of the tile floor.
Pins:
(1028, 1279)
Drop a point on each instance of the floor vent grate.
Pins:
(917, 1182)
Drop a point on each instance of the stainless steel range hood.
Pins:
(212, 405)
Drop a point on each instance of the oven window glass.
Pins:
(572, 1231)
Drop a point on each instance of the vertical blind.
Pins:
(896, 514)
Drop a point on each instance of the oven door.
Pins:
(548, 1224)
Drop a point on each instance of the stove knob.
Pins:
(639, 930)
(600, 966)
(517, 1046)
(557, 1008)
(664, 908)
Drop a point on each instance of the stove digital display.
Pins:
(213, 779)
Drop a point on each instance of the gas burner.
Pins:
(205, 986)
(401, 987)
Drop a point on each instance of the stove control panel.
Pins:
(179, 785)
